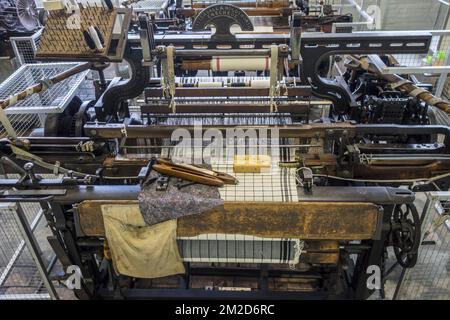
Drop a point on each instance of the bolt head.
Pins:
(28, 166)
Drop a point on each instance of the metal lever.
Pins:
(146, 31)
(7, 161)
(29, 166)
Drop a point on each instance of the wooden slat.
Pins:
(303, 220)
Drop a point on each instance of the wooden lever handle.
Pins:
(186, 175)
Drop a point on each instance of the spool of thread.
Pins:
(210, 84)
(95, 37)
(260, 83)
(240, 63)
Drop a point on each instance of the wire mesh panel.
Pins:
(436, 57)
(430, 278)
(30, 113)
(25, 47)
(364, 14)
(86, 90)
(446, 92)
(441, 58)
(22, 124)
(20, 277)
(150, 6)
(53, 100)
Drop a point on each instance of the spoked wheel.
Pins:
(406, 234)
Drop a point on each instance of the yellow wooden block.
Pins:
(251, 163)
(50, 5)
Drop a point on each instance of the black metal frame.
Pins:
(316, 48)
(74, 249)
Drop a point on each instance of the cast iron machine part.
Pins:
(357, 163)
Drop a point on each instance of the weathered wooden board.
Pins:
(303, 220)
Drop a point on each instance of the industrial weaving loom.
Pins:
(246, 170)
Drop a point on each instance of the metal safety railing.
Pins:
(29, 114)
(24, 260)
(365, 15)
(25, 47)
(430, 278)
(433, 67)
(369, 15)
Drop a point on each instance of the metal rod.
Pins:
(443, 70)
(222, 53)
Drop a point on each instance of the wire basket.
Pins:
(19, 276)
(31, 112)
(430, 278)
(150, 6)
(25, 47)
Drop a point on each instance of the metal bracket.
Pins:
(296, 36)
(168, 71)
(273, 77)
(147, 39)
(222, 16)
(308, 179)
(315, 48)
(162, 183)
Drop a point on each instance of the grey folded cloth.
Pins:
(158, 206)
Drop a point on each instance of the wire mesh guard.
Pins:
(150, 5)
(436, 57)
(30, 113)
(53, 100)
(25, 47)
(430, 278)
(19, 275)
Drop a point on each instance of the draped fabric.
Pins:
(139, 250)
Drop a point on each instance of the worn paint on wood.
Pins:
(303, 220)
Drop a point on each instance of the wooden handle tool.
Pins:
(193, 173)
